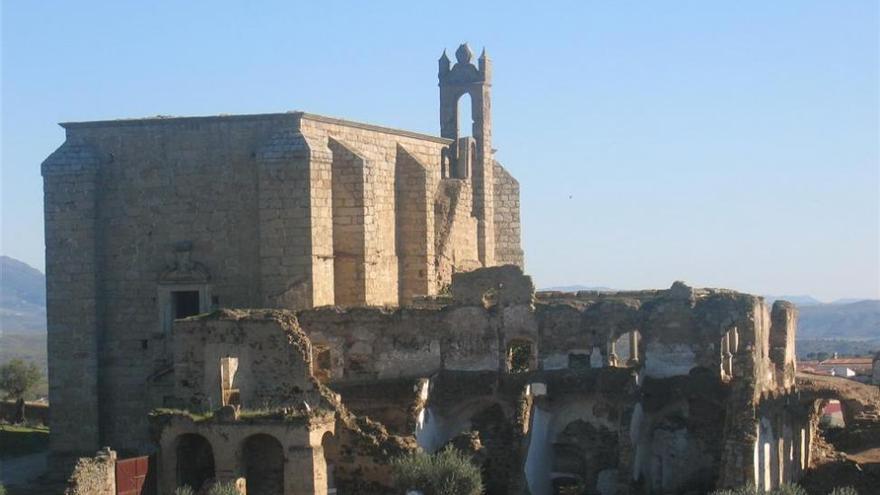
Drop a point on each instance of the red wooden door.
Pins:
(131, 475)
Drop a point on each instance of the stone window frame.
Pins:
(164, 299)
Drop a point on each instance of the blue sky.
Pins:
(727, 144)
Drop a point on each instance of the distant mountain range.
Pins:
(22, 298)
(575, 288)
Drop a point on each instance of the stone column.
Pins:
(612, 354)
(633, 348)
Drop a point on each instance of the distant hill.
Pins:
(23, 315)
(800, 301)
(851, 321)
(575, 288)
(22, 298)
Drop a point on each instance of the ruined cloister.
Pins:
(667, 391)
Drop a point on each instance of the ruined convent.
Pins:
(289, 301)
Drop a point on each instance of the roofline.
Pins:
(257, 116)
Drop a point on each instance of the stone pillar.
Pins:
(414, 199)
(783, 326)
(612, 354)
(305, 472)
(633, 348)
(71, 194)
(293, 204)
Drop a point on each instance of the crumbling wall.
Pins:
(455, 231)
(94, 475)
(273, 360)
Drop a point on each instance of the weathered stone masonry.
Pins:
(148, 220)
(399, 318)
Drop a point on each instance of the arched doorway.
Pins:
(263, 465)
(195, 461)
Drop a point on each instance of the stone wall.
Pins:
(508, 250)
(272, 356)
(72, 294)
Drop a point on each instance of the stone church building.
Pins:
(151, 220)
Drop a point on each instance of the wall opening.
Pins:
(322, 363)
(520, 356)
(195, 461)
(184, 303)
(465, 116)
(624, 352)
(263, 459)
(229, 393)
(584, 456)
(728, 348)
(466, 147)
(579, 361)
(330, 445)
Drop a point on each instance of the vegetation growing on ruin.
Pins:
(787, 489)
(195, 416)
(448, 472)
(223, 489)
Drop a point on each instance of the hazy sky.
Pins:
(727, 144)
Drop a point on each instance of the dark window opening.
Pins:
(579, 361)
(184, 303)
(145, 344)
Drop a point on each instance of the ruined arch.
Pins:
(625, 349)
(195, 460)
(263, 462)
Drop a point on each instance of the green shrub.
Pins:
(184, 490)
(741, 490)
(789, 489)
(844, 490)
(223, 489)
(448, 472)
(2, 490)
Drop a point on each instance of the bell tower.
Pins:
(471, 159)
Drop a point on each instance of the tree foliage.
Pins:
(448, 472)
(18, 377)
